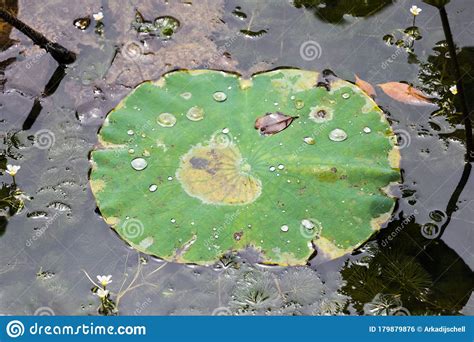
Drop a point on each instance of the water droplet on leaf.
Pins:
(195, 113)
(139, 164)
(299, 104)
(166, 120)
(187, 95)
(308, 224)
(338, 135)
(219, 96)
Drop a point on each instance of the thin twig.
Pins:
(57, 51)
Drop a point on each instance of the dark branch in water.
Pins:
(59, 52)
(457, 73)
(453, 201)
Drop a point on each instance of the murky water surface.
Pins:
(421, 263)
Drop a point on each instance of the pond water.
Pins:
(420, 263)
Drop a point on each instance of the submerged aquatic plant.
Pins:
(295, 291)
(163, 27)
(387, 272)
(256, 291)
(301, 285)
(200, 163)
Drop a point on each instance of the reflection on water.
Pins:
(421, 263)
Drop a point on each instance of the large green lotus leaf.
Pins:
(182, 173)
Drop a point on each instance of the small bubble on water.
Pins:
(272, 168)
(170, 178)
(131, 150)
(166, 120)
(346, 95)
(130, 132)
(219, 96)
(367, 130)
(284, 228)
(309, 140)
(173, 220)
(281, 167)
(337, 135)
(139, 164)
(225, 130)
(153, 187)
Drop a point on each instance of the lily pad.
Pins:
(182, 170)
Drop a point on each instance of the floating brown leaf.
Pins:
(272, 123)
(365, 86)
(405, 93)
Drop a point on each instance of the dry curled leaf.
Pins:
(405, 93)
(365, 86)
(272, 123)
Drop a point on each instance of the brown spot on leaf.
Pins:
(238, 235)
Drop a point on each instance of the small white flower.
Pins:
(12, 169)
(104, 280)
(453, 89)
(98, 16)
(102, 293)
(415, 10)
